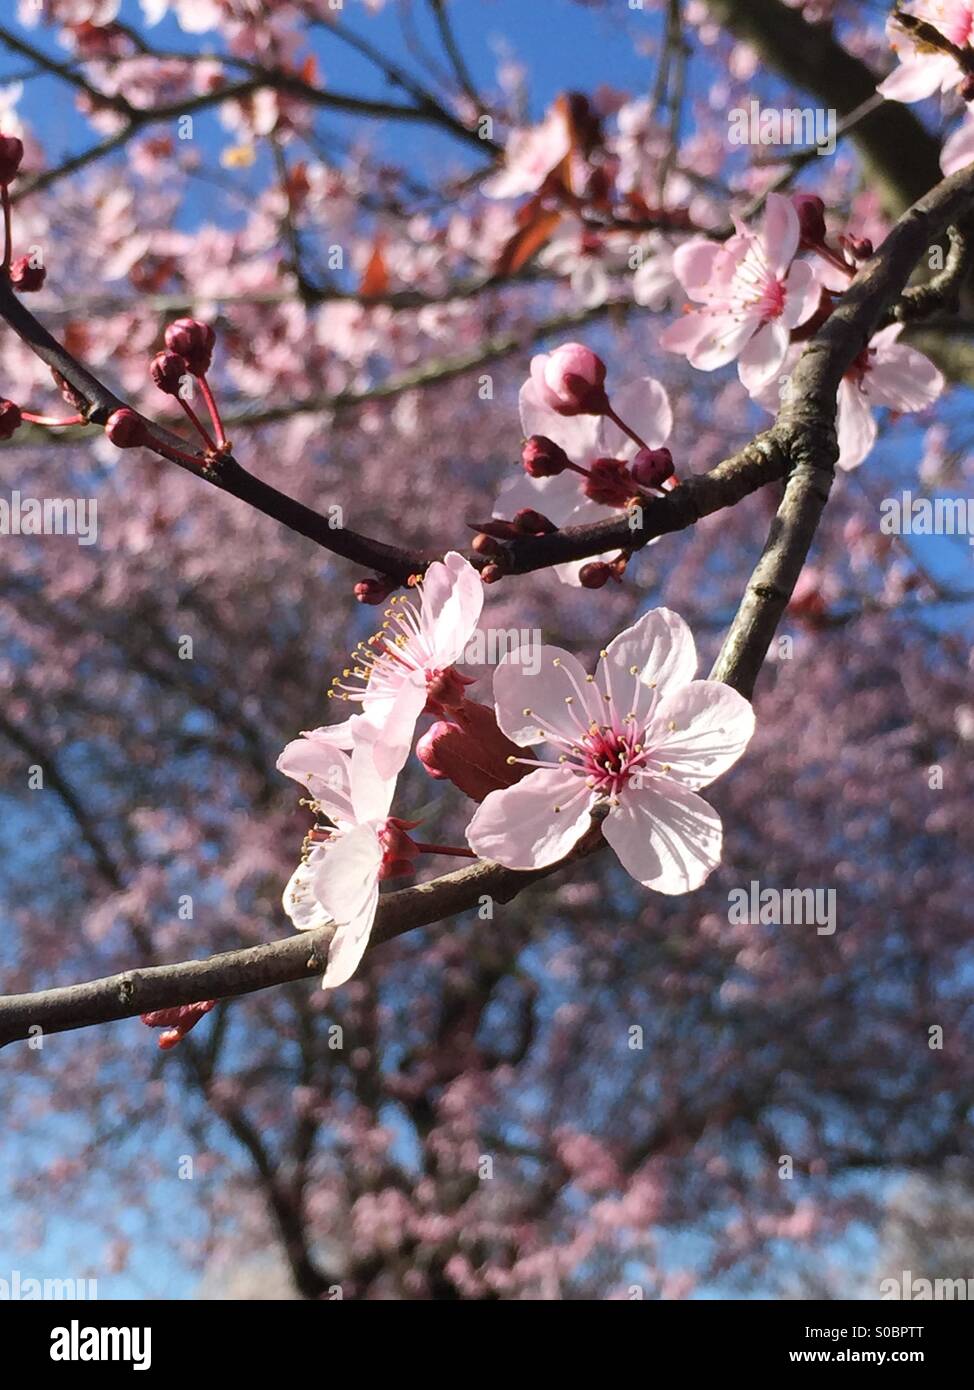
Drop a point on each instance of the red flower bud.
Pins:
(373, 590)
(491, 573)
(11, 153)
(398, 850)
(652, 467)
(177, 1021)
(595, 575)
(126, 430)
(532, 523)
(27, 277)
(542, 457)
(486, 545)
(168, 370)
(472, 752)
(194, 341)
(610, 482)
(860, 248)
(811, 218)
(10, 418)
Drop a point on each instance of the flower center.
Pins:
(608, 756)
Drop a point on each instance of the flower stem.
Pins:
(625, 428)
(32, 419)
(197, 424)
(211, 406)
(7, 238)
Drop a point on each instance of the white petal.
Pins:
(519, 826)
(300, 902)
(324, 770)
(713, 726)
(856, 425)
(666, 836)
(576, 434)
(760, 361)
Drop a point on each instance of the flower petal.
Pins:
(543, 691)
(713, 726)
(665, 835)
(780, 233)
(856, 426)
(760, 361)
(299, 900)
(346, 883)
(324, 770)
(576, 434)
(646, 409)
(519, 826)
(660, 646)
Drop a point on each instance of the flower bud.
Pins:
(594, 575)
(570, 380)
(25, 276)
(168, 370)
(532, 523)
(860, 248)
(811, 218)
(652, 467)
(177, 1021)
(491, 573)
(472, 752)
(609, 482)
(486, 545)
(126, 430)
(542, 457)
(194, 341)
(373, 590)
(10, 419)
(11, 153)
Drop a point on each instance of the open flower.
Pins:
(924, 69)
(530, 156)
(751, 295)
(338, 877)
(407, 666)
(886, 373)
(643, 404)
(640, 738)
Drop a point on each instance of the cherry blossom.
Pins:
(530, 156)
(958, 149)
(886, 373)
(408, 665)
(643, 404)
(639, 739)
(752, 293)
(338, 878)
(923, 70)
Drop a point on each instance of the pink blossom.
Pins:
(886, 373)
(958, 150)
(924, 70)
(638, 739)
(407, 666)
(338, 879)
(645, 407)
(530, 156)
(752, 293)
(570, 380)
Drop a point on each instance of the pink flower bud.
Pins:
(652, 467)
(542, 457)
(27, 277)
(168, 370)
(610, 483)
(125, 429)
(11, 153)
(10, 419)
(373, 590)
(571, 380)
(860, 248)
(811, 218)
(194, 341)
(177, 1021)
(486, 545)
(491, 573)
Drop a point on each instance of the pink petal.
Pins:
(713, 726)
(547, 690)
(918, 77)
(685, 334)
(802, 294)
(519, 826)
(346, 882)
(452, 600)
(300, 903)
(694, 263)
(903, 379)
(780, 233)
(665, 835)
(761, 360)
(323, 770)
(391, 739)
(727, 336)
(660, 646)
(958, 151)
(556, 498)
